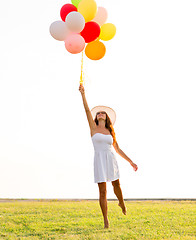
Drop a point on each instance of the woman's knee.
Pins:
(103, 193)
(116, 183)
(102, 190)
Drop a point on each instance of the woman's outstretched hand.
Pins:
(81, 88)
(135, 167)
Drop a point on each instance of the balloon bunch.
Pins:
(83, 26)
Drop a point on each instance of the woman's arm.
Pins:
(91, 122)
(122, 154)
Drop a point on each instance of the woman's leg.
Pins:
(118, 193)
(103, 202)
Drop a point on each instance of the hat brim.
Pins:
(110, 112)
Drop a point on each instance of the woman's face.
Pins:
(101, 115)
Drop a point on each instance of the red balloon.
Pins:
(91, 31)
(66, 9)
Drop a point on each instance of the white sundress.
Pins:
(105, 164)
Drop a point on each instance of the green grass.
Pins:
(83, 220)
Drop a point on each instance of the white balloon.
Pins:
(75, 22)
(59, 30)
(101, 16)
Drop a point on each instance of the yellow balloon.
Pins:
(108, 31)
(88, 8)
(95, 50)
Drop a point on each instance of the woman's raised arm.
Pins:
(91, 122)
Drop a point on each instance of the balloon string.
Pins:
(82, 72)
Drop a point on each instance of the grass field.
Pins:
(83, 220)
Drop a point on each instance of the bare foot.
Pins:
(106, 224)
(124, 210)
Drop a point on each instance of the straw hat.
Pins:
(110, 112)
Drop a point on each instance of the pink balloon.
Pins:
(101, 16)
(74, 43)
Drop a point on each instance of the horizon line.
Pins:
(94, 199)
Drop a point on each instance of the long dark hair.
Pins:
(108, 125)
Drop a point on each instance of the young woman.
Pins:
(105, 164)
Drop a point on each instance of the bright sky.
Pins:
(147, 75)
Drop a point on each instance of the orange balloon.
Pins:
(95, 50)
